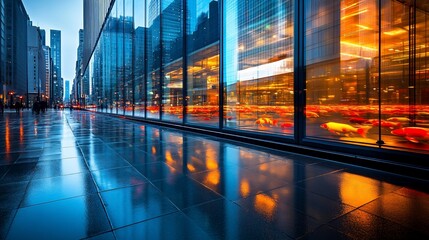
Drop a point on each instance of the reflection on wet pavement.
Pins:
(111, 178)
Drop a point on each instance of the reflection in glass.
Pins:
(172, 61)
(128, 57)
(139, 58)
(258, 65)
(203, 62)
(153, 59)
(343, 74)
(120, 67)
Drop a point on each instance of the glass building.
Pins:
(57, 82)
(341, 75)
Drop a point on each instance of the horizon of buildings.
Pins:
(27, 70)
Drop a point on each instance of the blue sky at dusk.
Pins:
(64, 15)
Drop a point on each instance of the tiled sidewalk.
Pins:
(82, 175)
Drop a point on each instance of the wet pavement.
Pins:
(82, 175)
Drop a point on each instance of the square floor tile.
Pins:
(11, 194)
(158, 171)
(172, 226)
(117, 178)
(185, 192)
(131, 205)
(361, 225)
(326, 232)
(281, 204)
(73, 218)
(222, 219)
(104, 236)
(19, 172)
(57, 188)
(235, 182)
(410, 212)
(351, 189)
(6, 217)
(244, 157)
(291, 172)
(103, 161)
(47, 169)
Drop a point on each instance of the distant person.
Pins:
(36, 107)
(43, 106)
(17, 107)
(1, 107)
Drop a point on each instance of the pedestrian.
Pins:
(37, 107)
(1, 107)
(17, 107)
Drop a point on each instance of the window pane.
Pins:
(153, 59)
(203, 62)
(405, 74)
(128, 57)
(342, 57)
(172, 61)
(342, 69)
(120, 68)
(139, 58)
(258, 72)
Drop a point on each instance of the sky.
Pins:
(63, 15)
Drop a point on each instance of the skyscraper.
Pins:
(35, 64)
(16, 49)
(43, 34)
(57, 84)
(67, 91)
(2, 52)
(48, 73)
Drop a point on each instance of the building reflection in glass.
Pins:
(259, 65)
(343, 73)
(356, 90)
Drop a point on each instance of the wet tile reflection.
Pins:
(72, 219)
(158, 183)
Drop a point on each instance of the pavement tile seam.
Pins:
(103, 204)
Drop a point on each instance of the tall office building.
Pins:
(48, 74)
(35, 65)
(3, 93)
(57, 83)
(67, 91)
(43, 34)
(76, 88)
(16, 49)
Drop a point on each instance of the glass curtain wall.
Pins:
(129, 56)
(153, 100)
(258, 65)
(366, 74)
(120, 61)
(351, 95)
(172, 60)
(203, 34)
(139, 58)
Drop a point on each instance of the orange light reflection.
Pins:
(7, 136)
(244, 188)
(213, 178)
(265, 205)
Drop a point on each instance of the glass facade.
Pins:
(353, 72)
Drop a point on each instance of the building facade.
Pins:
(337, 75)
(48, 74)
(36, 65)
(67, 91)
(76, 93)
(16, 50)
(57, 82)
(3, 92)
